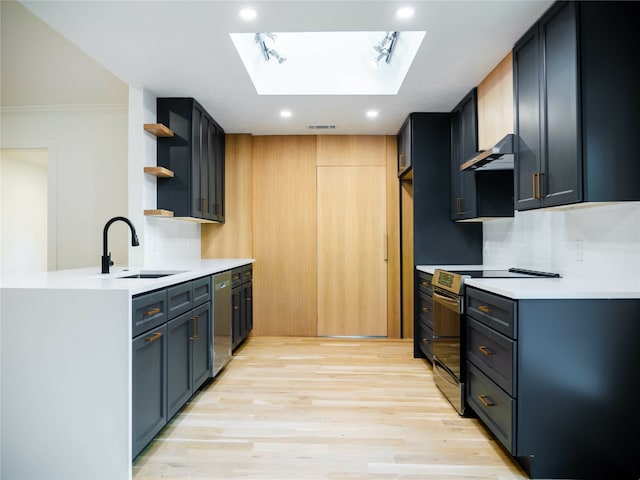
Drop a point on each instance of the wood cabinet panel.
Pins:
(233, 239)
(352, 271)
(284, 235)
(394, 329)
(351, 150)
(495, 104)
(406, 199)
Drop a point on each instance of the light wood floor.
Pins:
(318, 408)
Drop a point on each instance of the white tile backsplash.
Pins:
(599, 242)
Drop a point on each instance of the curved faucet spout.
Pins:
(106, 257)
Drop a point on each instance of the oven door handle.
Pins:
(451, 304)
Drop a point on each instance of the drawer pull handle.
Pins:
(484, 308)
(151, 312)
(153, 337)
(425, 283)
(426, 309)
(485, 401)
(426, 341)
(485, 350)
(236, 307)
(248, 299)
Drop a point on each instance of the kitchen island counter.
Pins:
(66, 369)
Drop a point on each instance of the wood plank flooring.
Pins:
(319, 408)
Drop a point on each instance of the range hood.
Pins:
(498, 157)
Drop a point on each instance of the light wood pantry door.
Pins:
(352, 268)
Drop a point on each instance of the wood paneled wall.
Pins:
(285, 235)
(233, 239)
(495, 104)
(271, 215)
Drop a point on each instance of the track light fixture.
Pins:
(269, 52)
(385, 48)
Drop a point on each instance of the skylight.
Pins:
(327, 63)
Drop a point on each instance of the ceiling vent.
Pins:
(322, 127)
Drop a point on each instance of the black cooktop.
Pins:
(511, 273)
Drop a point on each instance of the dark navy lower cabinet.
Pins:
(149, 379)
(242, 304)
(557, 385)
(171, 361)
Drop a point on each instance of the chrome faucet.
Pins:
(106, 257)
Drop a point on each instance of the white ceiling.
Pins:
(183, 48)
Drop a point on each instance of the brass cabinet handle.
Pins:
(485, 350)
(426, 309)
(484, 308)
(195, 327)
(151, 312)
(485, 401)
(536, 185)
(540, 186)
(459, 205)
(153, 337)
(425, 283)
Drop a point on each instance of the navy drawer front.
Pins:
(180, 299)
(425, 308)
(247, 273)
(493, 353)
(236, 277)
(149, 311)
(424, 334)
(495, 408)
(424, 283)
(201, 290)
(494, 311)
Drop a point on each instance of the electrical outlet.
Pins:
(578, 250)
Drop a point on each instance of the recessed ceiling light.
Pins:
(248, 14)
(285, 113)
(372, 113)
(405, 12)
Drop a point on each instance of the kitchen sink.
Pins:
(149, 274)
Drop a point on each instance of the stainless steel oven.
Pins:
(448, 301)
(449, 327)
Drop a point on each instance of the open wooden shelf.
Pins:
(158, 129)
(159, 172)
(159, 213)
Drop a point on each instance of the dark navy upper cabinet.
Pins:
(196, 156)
(576, 106)
(464, 143)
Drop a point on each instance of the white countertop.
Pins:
(91, 278)
(541, 288)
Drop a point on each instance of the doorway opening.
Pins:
(23, 210)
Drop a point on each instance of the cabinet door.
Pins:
(179, 367)
(561, 168)
(201, 344)
(526, 75)
(196, 153)
(236, 322)
(149, 386)
(205, 166)
(218, 173)
(404, 147)
(464, 143)
(248, 309)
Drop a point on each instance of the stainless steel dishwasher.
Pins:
(221, 321)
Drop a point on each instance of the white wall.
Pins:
(163, 241)
(600, 243)
(87, 175)
(23, 211)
